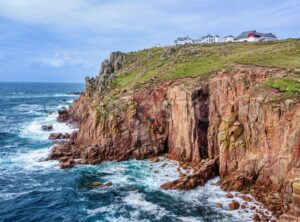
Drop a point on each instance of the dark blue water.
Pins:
(35, 190)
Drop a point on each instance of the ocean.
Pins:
(32, 189)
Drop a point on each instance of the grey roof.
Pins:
(208, 36)
(245, 34)
(183, 38)
(268, 35)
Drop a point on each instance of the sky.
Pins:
(66, 40)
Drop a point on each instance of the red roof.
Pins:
(252, 35)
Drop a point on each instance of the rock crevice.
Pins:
(227, 116)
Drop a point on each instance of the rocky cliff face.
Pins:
(228, 115)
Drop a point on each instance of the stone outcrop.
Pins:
(59, 136)
(228, 115)
(208, 171)
(63, 115)
(257, 139)
(106, 74)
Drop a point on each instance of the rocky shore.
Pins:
(228, 124)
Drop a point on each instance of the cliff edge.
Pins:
(233, 110)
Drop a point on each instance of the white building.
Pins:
(183, 40)
(253, 36)
(229, 38)
(209, 39)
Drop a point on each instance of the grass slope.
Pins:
(158, 64)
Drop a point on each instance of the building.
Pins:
(183, 40)
(229, 38)
(253, 36)
(209, 39)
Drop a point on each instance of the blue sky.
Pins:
(65, 40)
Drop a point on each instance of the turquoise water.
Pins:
(36, 190)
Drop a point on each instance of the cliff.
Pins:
(238, 121)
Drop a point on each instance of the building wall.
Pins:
(229, 39)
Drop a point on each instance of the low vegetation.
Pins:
(156, 64)
(288, 87)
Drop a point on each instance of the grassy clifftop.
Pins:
(156, 64)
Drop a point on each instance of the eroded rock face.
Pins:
(143, 124)
(258, 141)
(188, 123)
(227, 115)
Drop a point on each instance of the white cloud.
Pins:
(62, 59)
(99, 16)
(44, 32)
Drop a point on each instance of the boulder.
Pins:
(297, 71)
(229, 195)
(63, 115)
(55, 136)
(66, 136)
(109, 184)
(47, 127)
(66, 162)
(234, 205)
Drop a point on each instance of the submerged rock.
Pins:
(99, 184)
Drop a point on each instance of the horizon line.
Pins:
(39, 82)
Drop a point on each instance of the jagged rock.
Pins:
(106, 74)
(55, 136)
(47, 127)
(66, 136)
(59, 136)
(206, 172)
(66, 162)
(63, 115)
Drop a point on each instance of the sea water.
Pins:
(32, 189)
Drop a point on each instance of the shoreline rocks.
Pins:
(208, 171)
(47, 127)
(63, 115)
(66, 162)
(229, 114)
(59, 136)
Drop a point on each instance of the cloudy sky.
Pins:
(65, 40)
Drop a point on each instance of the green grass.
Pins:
(155, 64)
(286, 86)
